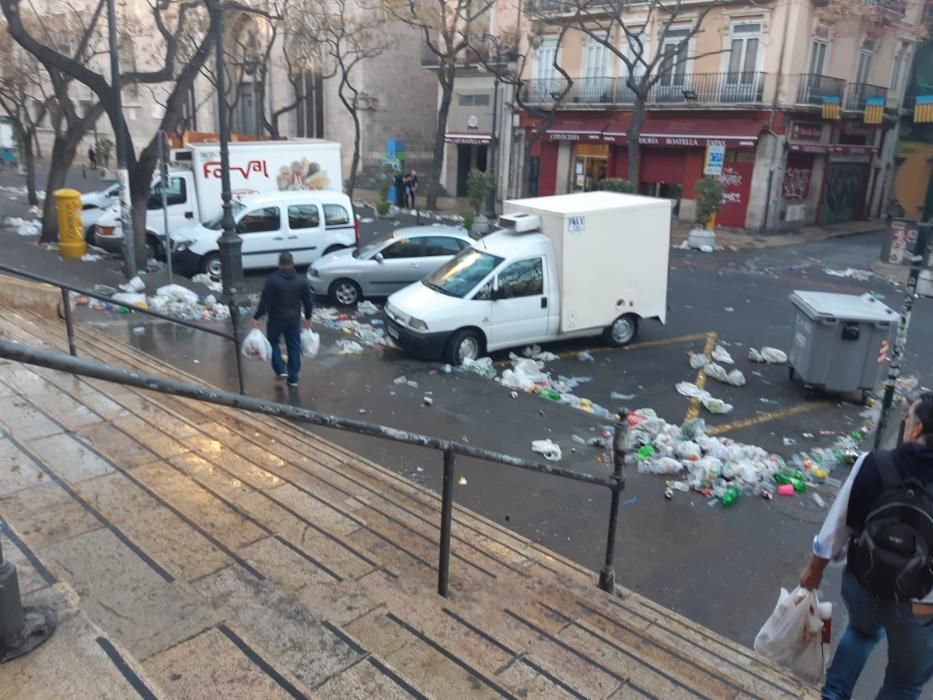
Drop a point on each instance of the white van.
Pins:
(569, 266)
(305, 224)
(193, 192)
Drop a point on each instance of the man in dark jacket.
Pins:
(908, 624)
(283, 296)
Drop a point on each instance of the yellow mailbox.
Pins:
(70, 233)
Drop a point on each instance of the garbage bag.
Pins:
(698, 360)
(310, 343)
(714, 405)
(773, 356)
(548, 449)
(256, 346)
(661, 465)
(720, 354)
(793, 634)
(134, 286)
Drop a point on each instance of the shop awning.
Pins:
(468, 138)
(834, 148)
(671, 132)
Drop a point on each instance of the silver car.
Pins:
(387, 264)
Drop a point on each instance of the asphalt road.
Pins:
(719, 566)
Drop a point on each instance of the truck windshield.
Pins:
(467, 269)
(215, 223)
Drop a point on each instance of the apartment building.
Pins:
(801, 97)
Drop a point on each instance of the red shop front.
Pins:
(673, 151)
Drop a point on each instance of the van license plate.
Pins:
(393, 333)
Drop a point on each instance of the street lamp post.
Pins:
(119, 124)
(230, 243)
(493, 141)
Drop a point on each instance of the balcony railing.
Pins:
(859, 92)
(683, 89)
(472, 56)
(814, 87)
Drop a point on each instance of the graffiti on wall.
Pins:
(732, 181)
(796, 183)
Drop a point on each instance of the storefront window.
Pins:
(590, 164)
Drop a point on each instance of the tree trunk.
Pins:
(445, 76)
(350, 106)
(64, 150)
(140, 181)
(634, 147)
(29, 158)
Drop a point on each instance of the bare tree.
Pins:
(624, 28)
(347, 35)
(184, 33)
(23, 98)
(447, 27)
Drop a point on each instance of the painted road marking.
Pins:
(694, 411)
(766, 417)
(634, 346)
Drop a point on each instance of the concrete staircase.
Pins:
(234, 555)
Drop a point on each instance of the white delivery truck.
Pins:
(568, 266)
(256, 167)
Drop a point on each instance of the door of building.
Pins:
(590, 163)
(844, 192)
(468, 157)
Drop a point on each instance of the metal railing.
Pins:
(813, 87)
(859, 92)
(67, 289)
(746, 87)
(615, 481)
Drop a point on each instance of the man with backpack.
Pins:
(882, 525)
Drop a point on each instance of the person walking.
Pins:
(412, 189)
(92, 157)
(284, 294)
(881, 523)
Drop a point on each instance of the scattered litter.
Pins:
(789, 442)
(129, 299)
(177, 293)
(616, 396)
(104, 290)
(678, 486)
(483, 367)
(698, 360)
(714, 405)
(428, 401)
(851, 273)
(208, 282)
(91, 257)
(720, 354)
(348, 347)
(366, 333)
(412, 383)
(139, 330)
(514, 394)
(706, 249)
(153, 265)
(135, 285)
(548, 449)
(772, 356)
(585, 356)
(447, 369)
(462, 481)
(717, 372)
(728, 309)
(366, 308)
(818, 500)
(23, 227)
(398, 381)
(689, 389)
(785, 490)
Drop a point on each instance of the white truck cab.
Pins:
(568, 266)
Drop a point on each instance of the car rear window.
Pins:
(435, 246)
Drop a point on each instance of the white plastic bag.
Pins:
(548, 448)
(310, 343)
(256, 346)
(793, 634)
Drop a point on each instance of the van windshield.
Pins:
(215, 223)
(467, 269)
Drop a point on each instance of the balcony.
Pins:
(814, 87)
(685, 89)
(859, 92)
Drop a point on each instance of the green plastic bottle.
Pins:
(646, 452)
(549, 394)
(730, 496)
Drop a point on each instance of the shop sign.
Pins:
(715, 159)
(802, 131)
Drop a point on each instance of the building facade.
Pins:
(793, 104)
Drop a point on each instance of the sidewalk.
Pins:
(206, 552)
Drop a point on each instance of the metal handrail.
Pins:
(615, 482)
(65, 288)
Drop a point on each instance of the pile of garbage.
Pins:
(370, 334)
(23, 227)
(171, 300)
(722, 469)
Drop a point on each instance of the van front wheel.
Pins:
(465, 344)
(622, 331)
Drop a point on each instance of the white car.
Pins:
(94, 205)
(307, 224)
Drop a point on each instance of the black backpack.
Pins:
(892, 557)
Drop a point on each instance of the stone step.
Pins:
(315, 566)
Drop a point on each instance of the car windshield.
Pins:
(459, 276)
(215, 223)
(370, 248)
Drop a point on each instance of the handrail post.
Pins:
(69, 325)
(234, 307)
(447, 495)
(607, 575)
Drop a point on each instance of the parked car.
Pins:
(94, 205)
(387, 264)
(307, 224)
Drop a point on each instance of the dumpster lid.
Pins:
(844, 307)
